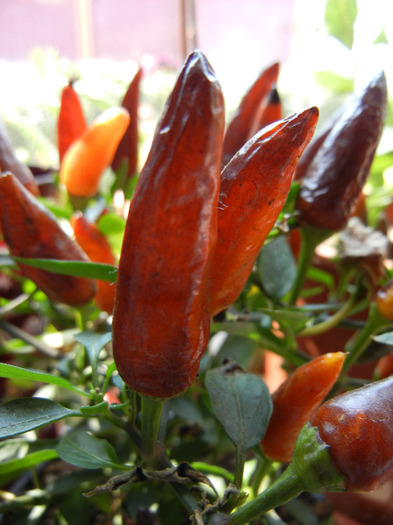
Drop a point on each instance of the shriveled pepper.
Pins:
(87, 157)
(296, 400)
(254, 187)
(32, 231)
(9, 162)
(127, 149)
(98, 249)
(242, 126)
(161, 317)
(333, 180)
(71, 122)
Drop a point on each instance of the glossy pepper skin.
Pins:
(333, 180)
(97, 248)
(127, 149)
(242, 126)
(31, 231)
(87, 157)
(161, 318)
(9, 162)
(296, 400)
(254, 188)
(71, 122)
(358, 428)
(269, 111)
(384, 300)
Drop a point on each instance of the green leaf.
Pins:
(27, 462)
(340, 16)
(24, 414)
(276, 267)
(386, 338)
(293, 318)
(103, 272)
(15, 372)
(241, 402)
(334, 82)
(93, 343)
(84, 450)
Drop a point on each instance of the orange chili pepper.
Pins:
(71, 122)
(87, 157)
(97, 248)
(32, 231)
(295, 402)
(384, 300)
(128, 147)
(269, 111)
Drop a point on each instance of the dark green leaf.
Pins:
(84, 450)
(104, 272)
(241, 402)
(25, 414)
(340, 16)
(276, 267)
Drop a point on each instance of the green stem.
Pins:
(239, 469)
(311, 237)
(151, 416)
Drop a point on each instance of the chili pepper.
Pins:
(97, 248)
(161, 317)
(254, 187)
(71, 122)
(358, 428)
(88, 156)
(295, 402)
(384, 300)
(334, 179)
(239, 129)
(31, 231)
(269, 111)
(127, 149)
(9, 162)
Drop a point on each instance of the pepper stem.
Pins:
(151, 417)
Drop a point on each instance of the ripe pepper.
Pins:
(296, 400)
(358, 428)
(31, 231)
(239, 130)
(97, 248)
(269, 111)
(87, 157)
(161, 317)
(71, 122)
(254, 187)
(9, 162)
(127, 149)
(384, 300)
(333, 180)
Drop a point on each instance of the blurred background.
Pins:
(326, 49)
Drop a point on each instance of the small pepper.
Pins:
(32, 231)
(384, 300)
(71, 122)
(296, 400)
(161, 319)
(87, 157)
(97, 248)
(127, 149)
(254, 188)
(337, 172)
(239, 130)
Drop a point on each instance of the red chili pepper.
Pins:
(254, 187)
(161, 318)
(127, 150)
(9, 162)
(31, 231)
(269, 111)
(71, 122)
(334, 178)
(296, 401)
(97, 248)
(243, 121)
(358, 428)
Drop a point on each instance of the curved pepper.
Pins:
(269, 111)
(335, 176)
(358, 428)
(296, 401)
(87, 157)
(254, 188)
(31, 231)
(161, 318)
(71, 122)
(239, 130)
(97, 248)
(127, 150)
